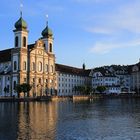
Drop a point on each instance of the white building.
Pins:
(69, 77)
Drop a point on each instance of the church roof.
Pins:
(47, 32)
(21, 24)
(5, 55)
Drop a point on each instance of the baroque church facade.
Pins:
(33, 64)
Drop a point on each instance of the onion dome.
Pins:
(21, 24)
(47, 32)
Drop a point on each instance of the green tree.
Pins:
(83, 89)
(26, 88)
(101, 89)
(18, 89)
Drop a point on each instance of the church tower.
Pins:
(19, 53)
(47, 37)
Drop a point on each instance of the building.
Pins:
(68, 77)
(33, 64)
(136, 78)
(116, 79)
(103, 77)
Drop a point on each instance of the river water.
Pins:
(109, 119)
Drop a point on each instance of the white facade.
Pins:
(66, 81)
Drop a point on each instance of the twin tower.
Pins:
(33, 64)
(21, 36)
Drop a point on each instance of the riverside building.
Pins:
(35, 64)
(68, 77)
(28, 63)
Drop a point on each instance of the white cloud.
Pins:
(126, 17)
(106, 47)
(99, 30)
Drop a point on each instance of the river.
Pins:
(104, 119)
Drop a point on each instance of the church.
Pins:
(33, 64)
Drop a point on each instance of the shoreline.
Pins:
(74, 97)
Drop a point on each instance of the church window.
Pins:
(39, 80)
(46, 67)
(33, 80)
(50, 47)
(8, 88)
(40, 66)
(24, 65)
(15, 65)
(24, 41)
(14, 85)
(16, 41)
(25, 80)
(8, 78)
(33, 66)
(51, 68)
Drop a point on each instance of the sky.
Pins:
(94, 32)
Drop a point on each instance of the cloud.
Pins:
(126, 17)
(106, 47)
(99, 30)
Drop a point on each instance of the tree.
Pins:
(84, 89)
(88, 90)
(26, 88)
(18, 89)
(101, 89)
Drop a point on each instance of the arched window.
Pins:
(33, 66)
(15, 65)
(39, 80)
(24, 65)
(14, 85)
(8, 88)
(51, 68)
(46, 67)
(50, 47)
(40, 66)
(16, 41)
(24, 41)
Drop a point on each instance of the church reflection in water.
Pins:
(37, 120)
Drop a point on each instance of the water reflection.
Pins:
(110, 119)
(37, 120)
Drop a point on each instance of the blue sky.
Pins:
(96, 32)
